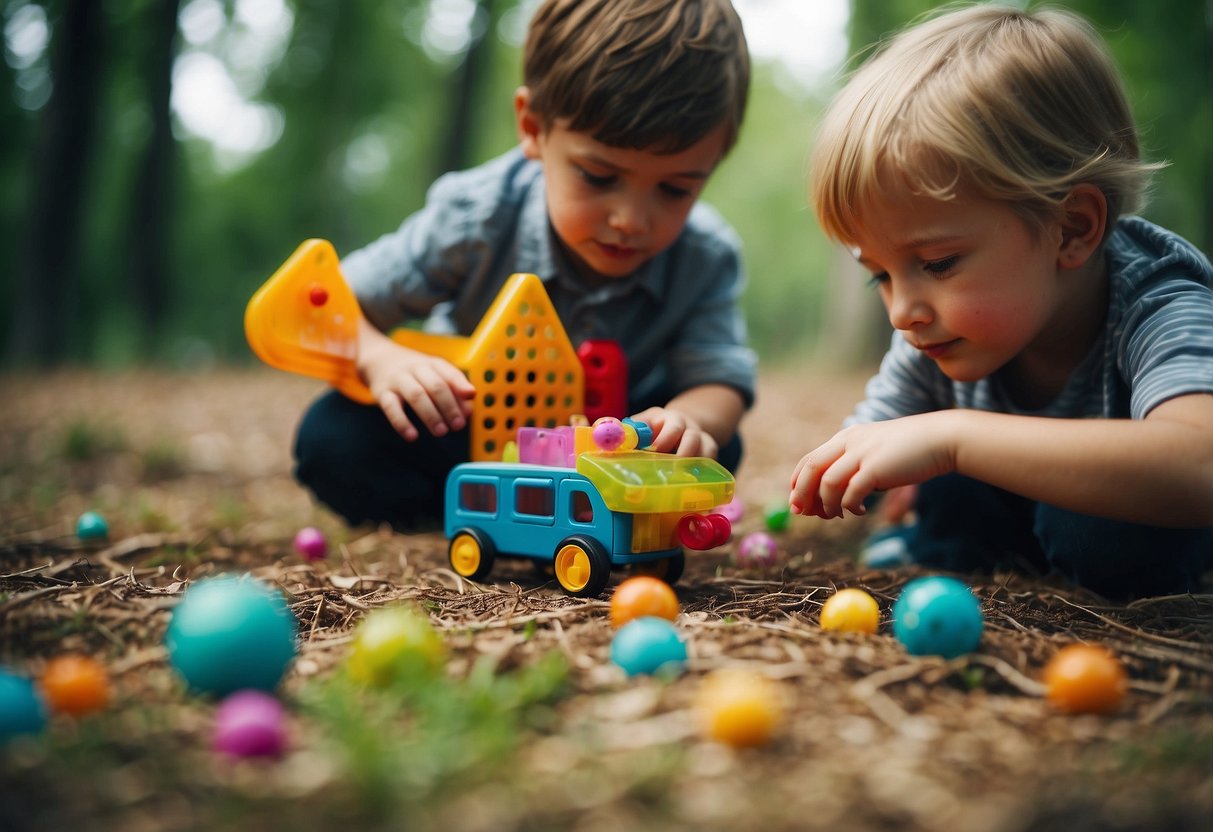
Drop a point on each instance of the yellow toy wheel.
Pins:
(582, 566)
(471, 554)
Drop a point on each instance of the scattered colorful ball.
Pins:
(648, 645)
(777, 516)
(640, 596)
(92, 526)
(310, 543)
(392, 643)
(231, 633)
(738, 708)
(75, 685)
(250, 723)
(1083, 678)
(22, 710)
(850, 611)
(733, 510)
(757, 550)
(937, 617)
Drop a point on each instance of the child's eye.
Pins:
(878, 278)
(940, 267)
(596, 181)
(675, 191)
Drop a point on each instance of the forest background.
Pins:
(160, 158)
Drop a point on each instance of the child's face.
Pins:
(967, 282)
(615, 208)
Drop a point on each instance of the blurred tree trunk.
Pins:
(47, 279)
(466, 82)
(153, 187)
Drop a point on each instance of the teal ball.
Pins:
(231, 633)
(937, 617)
(648, 645)
(22, 710)
(92, 526)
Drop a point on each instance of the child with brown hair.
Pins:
(627, 108)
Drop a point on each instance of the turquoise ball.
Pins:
(937, 617)
(231, 633)
(648, 645)
(92, 526)
(22, 710)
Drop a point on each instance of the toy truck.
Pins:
(584, 510)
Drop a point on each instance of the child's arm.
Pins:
(438, 393)
(697, 421)
(1158, 470)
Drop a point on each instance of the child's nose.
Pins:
(907, 308)
(629, 217)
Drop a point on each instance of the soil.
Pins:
(193, 475)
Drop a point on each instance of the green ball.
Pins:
(393, 643)
(92, 526)
(777, 517)
(231, 633)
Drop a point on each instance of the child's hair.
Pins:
(641, 74)
(1021, 106)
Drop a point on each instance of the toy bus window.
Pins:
(581, 509)
(535, 500)
(478, 496)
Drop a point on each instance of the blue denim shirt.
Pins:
(678, 318)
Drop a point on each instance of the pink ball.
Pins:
(250, 723)
(757, 550)
(607, 433)
(734, 510)
(310, 543)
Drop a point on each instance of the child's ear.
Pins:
(1082, 225)
(530, 126)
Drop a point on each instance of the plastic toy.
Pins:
(850, 611)
(1084, 678)
(394, 642)
(250, 723)
(733, 510)
(22, 710)
(584, 508)
(738, 708)
(75, 685)
(231, 633)
(648, 645)
(757, 550)
(606, 378)
(92, 526)
(310, 543)
(937, 616)
(305, 319)
(640, 596)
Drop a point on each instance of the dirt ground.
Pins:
(192, 473)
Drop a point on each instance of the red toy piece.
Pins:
(606, 379)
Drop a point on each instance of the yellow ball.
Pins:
(850, 611)
(394, 642)
(739, 708)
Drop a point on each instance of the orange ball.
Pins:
(75, 685)
(640, 596)
(1083, 678)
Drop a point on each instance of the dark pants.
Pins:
(355, 463)
(965, 525)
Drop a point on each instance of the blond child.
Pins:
(1049, 388)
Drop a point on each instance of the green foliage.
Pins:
(365, 113)
(84, 441)
(426, 737)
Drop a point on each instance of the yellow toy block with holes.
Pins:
(526, 372)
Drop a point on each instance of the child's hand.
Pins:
(676, 432)
(861, 459)
(438, 393)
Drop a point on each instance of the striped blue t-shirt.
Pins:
(1157, 344)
